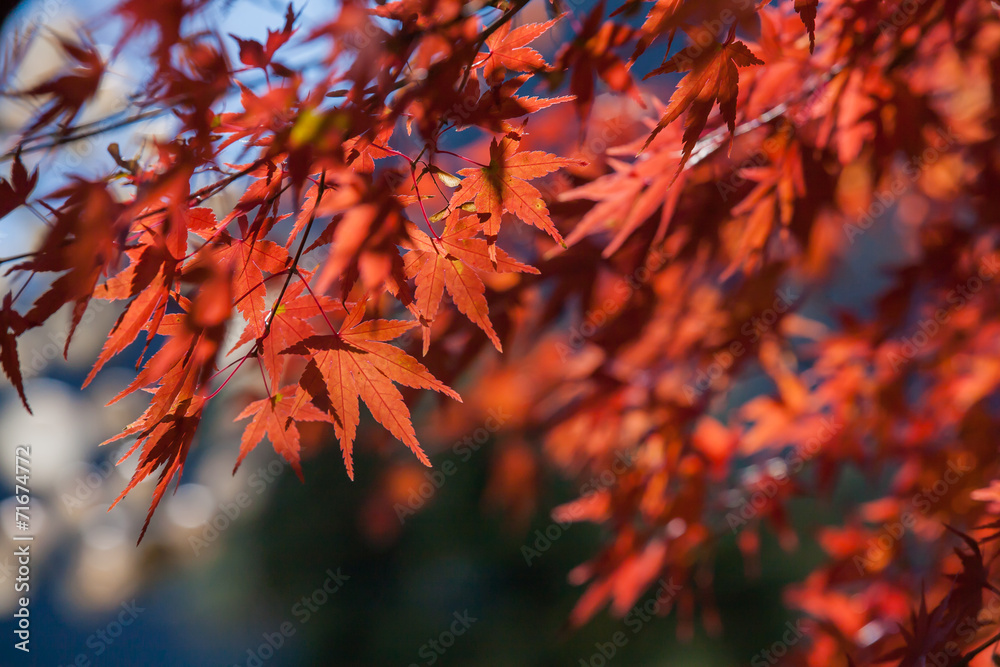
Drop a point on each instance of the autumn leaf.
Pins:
(355, 362)
(499, 104)
(626, 198)
(81, 244)
(11, 325)
(146, 282)
(70, 91)
(807, 11)
(14, 193)
(502, 185)
(508, 50)
(291, 322)
(451, 263)
(251, 52)
(165, 443)
(249, 260)
(275, 418)
(592, 55)
(662, 19)
(713, 78)
(255, 54)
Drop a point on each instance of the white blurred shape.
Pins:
(870, 633)
(191, 506)
(676, 527)
(59, 432)
(105, 536)
(777, 467)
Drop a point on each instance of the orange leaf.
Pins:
(353, 363)
(714, 77)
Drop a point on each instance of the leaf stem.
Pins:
(413, 175)
(416, 188)
(262, 282)
(216, 392)
(293, 267)
(263, 377)
(478, 164)
(319, 305)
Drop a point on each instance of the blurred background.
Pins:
(405, 566)
(211, 588)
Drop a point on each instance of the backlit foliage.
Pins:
(645, 218)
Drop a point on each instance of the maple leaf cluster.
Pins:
(664, 280)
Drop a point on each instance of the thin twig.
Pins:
(69, 139)
(293, 268)
(319, 305)
(712, 141)
(967, 658)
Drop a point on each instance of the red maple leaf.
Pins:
(592, 53)
(290, 323)
(275, 417)
(807, 11)
(11, 325)
(355, 362)
(72, 90)
(509, 50)
(714, 78)
(502, 185)
(450, 263)
(255, 54)
(15, 192)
